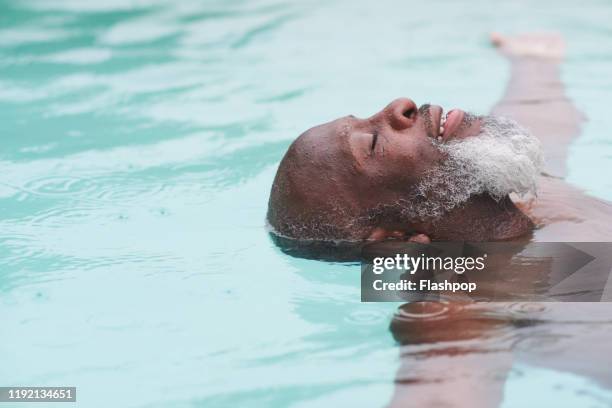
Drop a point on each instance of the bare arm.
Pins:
(535, 95)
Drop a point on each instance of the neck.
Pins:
(482, 218)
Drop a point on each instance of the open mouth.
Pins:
(445, 126)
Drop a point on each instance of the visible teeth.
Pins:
(439, 138)
(441, 129)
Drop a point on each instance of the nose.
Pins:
(400, 114)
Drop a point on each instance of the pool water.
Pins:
(138, 143)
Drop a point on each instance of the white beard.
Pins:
(504, 158)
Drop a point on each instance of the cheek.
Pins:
(401, 167)
(411, 159)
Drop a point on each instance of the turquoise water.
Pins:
(138, 144)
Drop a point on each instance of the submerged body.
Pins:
(456, 373)
(361, 180)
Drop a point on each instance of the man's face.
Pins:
(382, 157)
(402, 166)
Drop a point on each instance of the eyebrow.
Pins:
(344, 127)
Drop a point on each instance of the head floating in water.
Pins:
(406, 171)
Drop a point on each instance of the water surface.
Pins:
(138, 142)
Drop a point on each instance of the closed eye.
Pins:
(374, 140)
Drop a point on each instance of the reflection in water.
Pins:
(453, 344)
(430, 322)
(461, 346)
(440, 355)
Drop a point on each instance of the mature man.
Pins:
(415, 173)
(412, 173)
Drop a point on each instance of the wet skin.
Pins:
(357, 163)
(535, 97)
(377, 161)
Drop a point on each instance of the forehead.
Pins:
(339, 127)
(325, 145)
(327, 135)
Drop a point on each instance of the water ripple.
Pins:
(366, 317)
(59, 186)
(100, 189)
